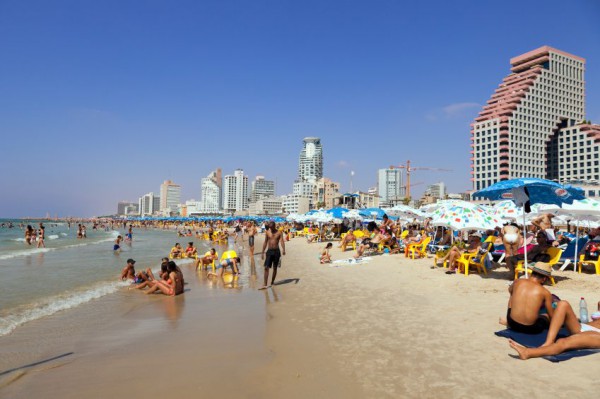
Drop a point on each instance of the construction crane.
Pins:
(410, 169)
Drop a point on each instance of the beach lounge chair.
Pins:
(213, 262)
(588, 262)
(418, 249)
(569, 253)
(554, 253)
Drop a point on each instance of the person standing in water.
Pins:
(41, 236)
(251, 234)
(272, 240)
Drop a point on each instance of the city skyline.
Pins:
(171, 93)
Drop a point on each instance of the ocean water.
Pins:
(69, 272)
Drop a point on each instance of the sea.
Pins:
(70, 271)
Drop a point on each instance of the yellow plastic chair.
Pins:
(353, 243)
(419, 248)
(588, 262)
(476, 260)
(554, 253)
(228, 255)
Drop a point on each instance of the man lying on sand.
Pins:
(584, 336)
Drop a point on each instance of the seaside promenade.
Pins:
(391, 327)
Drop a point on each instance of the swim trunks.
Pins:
(272, 258)
(541, 324)
(116, 247)
(251, 241)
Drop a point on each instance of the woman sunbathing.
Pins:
(174, 284)
(455, 253)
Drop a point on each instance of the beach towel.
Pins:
(535, 340)
(350, 261)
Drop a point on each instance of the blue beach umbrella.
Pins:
(337, 212)
(527, 191)
(375, 213)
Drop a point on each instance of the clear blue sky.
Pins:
(102, 100)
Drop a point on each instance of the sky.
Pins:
(101, 101)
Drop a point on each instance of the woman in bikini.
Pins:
(172, 286)
(28, 234)
(512, 239)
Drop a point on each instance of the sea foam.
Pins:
(48, 306)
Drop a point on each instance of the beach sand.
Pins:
(392, 327)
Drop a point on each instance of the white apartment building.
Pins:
(170, 196)
(261, 188)
(437, 190)
(210, 198)
(235, 192)
(149, 204)
(515, 135)
(266, 206)
(389, 186)
(293, 203)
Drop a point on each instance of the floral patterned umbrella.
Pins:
(465, 217)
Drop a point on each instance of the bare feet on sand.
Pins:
(265, 287)
(503, 321)
(521, 350)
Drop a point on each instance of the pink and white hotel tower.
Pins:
(534, 124)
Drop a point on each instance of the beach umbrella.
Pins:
(507, 210)
(527, 191)
(352, 214)
(375, 213)
(337, 212)
(405, 211)
(465, 218)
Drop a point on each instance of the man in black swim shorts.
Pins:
(272, 240)
(527, 297)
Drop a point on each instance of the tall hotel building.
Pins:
(210, 195)
(533, 124)
(235, 192)
(389, 186)
(170, 196)
(310, 167)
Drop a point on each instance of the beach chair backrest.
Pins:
(555, 254)
(229, 255)
(425, 243)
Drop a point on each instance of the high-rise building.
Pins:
(389, 186)
(235, 192)
(261, 188)
(170, 196)
(211, 192)
(531, 125)
(149, 204)
(310, 167)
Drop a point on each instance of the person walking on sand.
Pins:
(251, 234)
(272, 240)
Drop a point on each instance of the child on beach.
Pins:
(117, 246)
(325, 256)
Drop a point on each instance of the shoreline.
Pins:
(389, 327)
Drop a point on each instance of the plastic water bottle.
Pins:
(583, 311)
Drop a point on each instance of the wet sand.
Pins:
(392, 327)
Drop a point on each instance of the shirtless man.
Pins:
(544, 222)
(272, 240)
(251, 234)
(527, 296)
(207, 259)
(117, 246)
(584, 336)
(230, 262)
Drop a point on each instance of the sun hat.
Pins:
(543, 268)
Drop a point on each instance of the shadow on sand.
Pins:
(287, 281)
(36, 363)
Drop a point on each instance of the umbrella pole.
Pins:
(576, 242)
(525, 243)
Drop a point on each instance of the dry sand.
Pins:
(392, 327)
